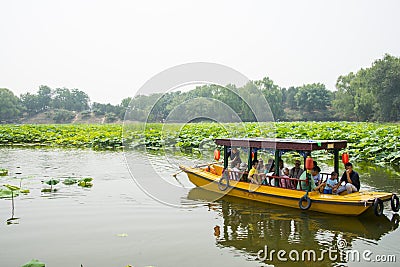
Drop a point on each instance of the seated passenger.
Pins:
(281, 166)
(296, 171)
(331, 183)
(260, 166)
(253, 173)
(284, 182)
(269, 166)
(243, 167)
(351, 179)
(269, 171)
(315, 172)
(302, 185)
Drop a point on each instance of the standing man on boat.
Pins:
(235, 157)
(351, 179)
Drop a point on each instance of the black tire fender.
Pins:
(394, 203)
(378, 206)
(304, 198)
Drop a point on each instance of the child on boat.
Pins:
(315, 172)
(253, 173)
(331, 183)
(284, 182)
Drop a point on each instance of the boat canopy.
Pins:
(305, 146)
(282, 144)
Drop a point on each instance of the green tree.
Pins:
(290, 97)
(62, 99)
(314, 102)
(344, 101)
(313, 97)
(31, 104)
(72, 100)
(126, 101)
(384, 85)
(273, 94)
(44, 97)
(79, 100)
(9, 106)
(372, 93)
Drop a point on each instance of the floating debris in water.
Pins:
(122, 235)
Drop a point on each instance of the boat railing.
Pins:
(236, 175)
(325, 176)
(282, 181)
(287, 182)
(274, 180)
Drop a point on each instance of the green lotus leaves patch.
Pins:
(375, 142)
(7, 193)
(85, 182)
(12, 187)
(49, 190)
(34, 263)
(3, 172)
(52, 181)
(70, 181)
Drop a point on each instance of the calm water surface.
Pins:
(115, 224)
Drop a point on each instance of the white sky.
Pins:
(109, 49)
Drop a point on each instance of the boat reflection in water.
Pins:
(257, 229)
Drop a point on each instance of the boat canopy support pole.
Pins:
(226, 157)
(276, 162)
(336, 160)
(277, 171)
(249, 159)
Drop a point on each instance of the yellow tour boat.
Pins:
(220, 178)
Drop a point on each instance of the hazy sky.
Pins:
(109, 49)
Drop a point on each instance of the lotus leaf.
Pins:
(3, 172)
(49, 190)
(122, 235)
(34, 263)
(6, 193)
(52, 181)
(70, 181)
(25, 191)
(86, 179)
(85, 184)
(12, 187)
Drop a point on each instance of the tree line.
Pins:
(371, 94)
(64, 104)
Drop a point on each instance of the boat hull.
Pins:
(351, 205)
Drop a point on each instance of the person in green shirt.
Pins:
(302, 185)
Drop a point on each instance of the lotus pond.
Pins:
(114, 223)
(374, 142)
